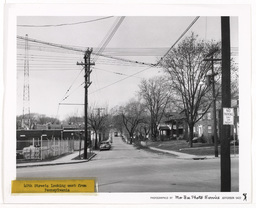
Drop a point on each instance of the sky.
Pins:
(53, 71)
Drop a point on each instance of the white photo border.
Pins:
(12, 11)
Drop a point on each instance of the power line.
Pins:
(72, 84)
(82, 51)
(73, 91)
(126, 60)
(187, 29)
(128, 76)
(112, 33)
(66, 24)
(122, 79)
(118, 73)
(106, 41)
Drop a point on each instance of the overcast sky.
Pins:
(54, 71)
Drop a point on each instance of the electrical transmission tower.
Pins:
(26, 97)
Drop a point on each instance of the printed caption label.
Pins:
(53, 186)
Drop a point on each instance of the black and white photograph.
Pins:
(150, 106)
(146, 90)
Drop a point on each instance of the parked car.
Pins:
(199, 139)
(236, 142)
(105, 145)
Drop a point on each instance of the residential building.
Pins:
(205, 127)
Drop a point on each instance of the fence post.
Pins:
(54, 146)
(59, 145)
(48, 147)
(41, 147)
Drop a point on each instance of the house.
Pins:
(205, 126)
(174, 127)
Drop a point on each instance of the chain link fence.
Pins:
(46, 146)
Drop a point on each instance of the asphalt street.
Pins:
(127, 169)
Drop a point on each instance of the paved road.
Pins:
(126, 169)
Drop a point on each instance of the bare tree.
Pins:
(35, 119)
(98, 122)
(132, 115)
(155, 93)
(117, 122)
(187, 71)
(144, 128)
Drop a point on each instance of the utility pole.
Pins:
(99, 110)
(212, 81)
(214, 113)
(87, 71)
(226, 103)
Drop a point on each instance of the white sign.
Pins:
(228, 116)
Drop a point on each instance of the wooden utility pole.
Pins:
(87, 71)
(226, 103)
(214, 112)
(99, 110)
(212, 81)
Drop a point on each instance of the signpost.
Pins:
(228, 116)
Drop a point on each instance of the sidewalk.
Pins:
(186, 156)
(68, 159)
(179, 155)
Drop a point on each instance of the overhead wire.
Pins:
(186, 30)
(107, 39)
(121, 80)
(155, 65)
(67, 96)
(118, 73)
(116, 58)
(67, 24)
(82, 51)
(72, 84)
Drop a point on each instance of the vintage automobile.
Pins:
(105, 145)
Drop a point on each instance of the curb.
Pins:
(61, 163)
(183, 156)
(193, 158)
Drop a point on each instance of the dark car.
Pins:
(234, 142)
(105, 145)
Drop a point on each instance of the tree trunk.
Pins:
(131, 138)
(96, 141)
(191, 135)
(154, 132)
(177, 130)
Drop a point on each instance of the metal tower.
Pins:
(26, 106)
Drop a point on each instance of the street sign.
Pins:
(228, 116)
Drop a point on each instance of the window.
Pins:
(209, 116)
(209, 129)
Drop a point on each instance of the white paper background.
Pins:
(118, 9)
